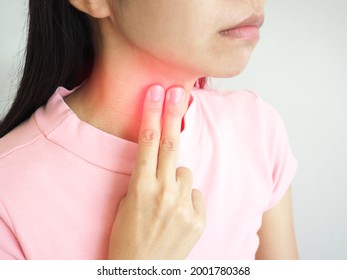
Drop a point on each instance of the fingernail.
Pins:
(156, 93)
(176, 95)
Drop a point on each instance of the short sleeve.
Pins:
(9, 245)
(283, 161)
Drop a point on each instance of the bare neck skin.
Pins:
(112, 98)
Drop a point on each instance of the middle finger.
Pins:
(175, 106)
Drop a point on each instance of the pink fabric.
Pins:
(61, 179)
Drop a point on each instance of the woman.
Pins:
(90, 172)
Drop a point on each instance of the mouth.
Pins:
(247, 29)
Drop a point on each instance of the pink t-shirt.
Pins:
(61, 179)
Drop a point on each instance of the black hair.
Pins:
(59, 52)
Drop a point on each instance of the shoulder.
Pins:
(36, 128)
(19, 138)
(226, 97)
(18, 155)
(238, 106)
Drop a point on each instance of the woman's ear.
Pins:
(94, 8)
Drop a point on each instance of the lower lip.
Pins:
(242, 33)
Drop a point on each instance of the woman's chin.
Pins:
(229, 71)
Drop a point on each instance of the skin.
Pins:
(166, 42)
(170, 43)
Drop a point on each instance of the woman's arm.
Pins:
(277, 237)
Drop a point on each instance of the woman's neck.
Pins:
(112, 98)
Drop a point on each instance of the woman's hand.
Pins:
(161, 217)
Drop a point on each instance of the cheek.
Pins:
(165, 44)
(164, 35)
(198, 51)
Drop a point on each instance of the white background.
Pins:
(299, 67)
